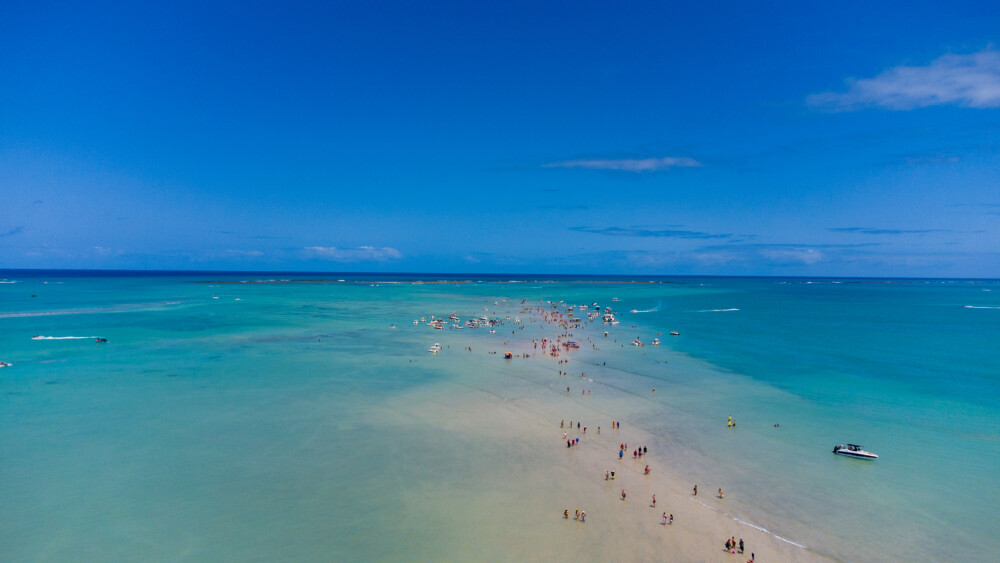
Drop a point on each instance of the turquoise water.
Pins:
(264, 427)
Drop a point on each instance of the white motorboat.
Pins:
(853, 450)
(435, 348)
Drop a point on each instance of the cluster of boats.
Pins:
(455, 323)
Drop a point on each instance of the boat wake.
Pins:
(977, 307)
(653, 310)
(63, 337)
(717, 310)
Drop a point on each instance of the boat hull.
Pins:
(857, 455)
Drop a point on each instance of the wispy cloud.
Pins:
(563, 207)
(12, 232)
(971, 80)
(245, 235)
(245, 253)
(869, 231)
(360, 254)
(780, 256)
(649, 233)
(628, 164)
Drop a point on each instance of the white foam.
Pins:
(717, 310)
(63, 337)
(975, 307)
(114, 309)
(745, 523)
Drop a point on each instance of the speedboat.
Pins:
(435, 348)
(853, 450)
(656, 342)
(674, 333)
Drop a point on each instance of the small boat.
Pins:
(853, 450)
(634, 311)
(5, 364)
(656, 342)
(674, 333)
(102, 340)
(435, 348)
(507, 355)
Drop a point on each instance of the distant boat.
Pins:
(656, 342)
(674, 333)
(853, 450)
(435, 348)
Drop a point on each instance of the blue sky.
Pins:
(578, 137)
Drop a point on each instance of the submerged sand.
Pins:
(507, 503)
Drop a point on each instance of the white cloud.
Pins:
(629, 164)
(781, 256)
(245, 253)
(971, 80)
(360, 254)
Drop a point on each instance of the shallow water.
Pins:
(271, 426)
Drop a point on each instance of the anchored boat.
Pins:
(853, 450)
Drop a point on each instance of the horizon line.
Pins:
(514, 276)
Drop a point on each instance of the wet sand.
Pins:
(508, 503)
